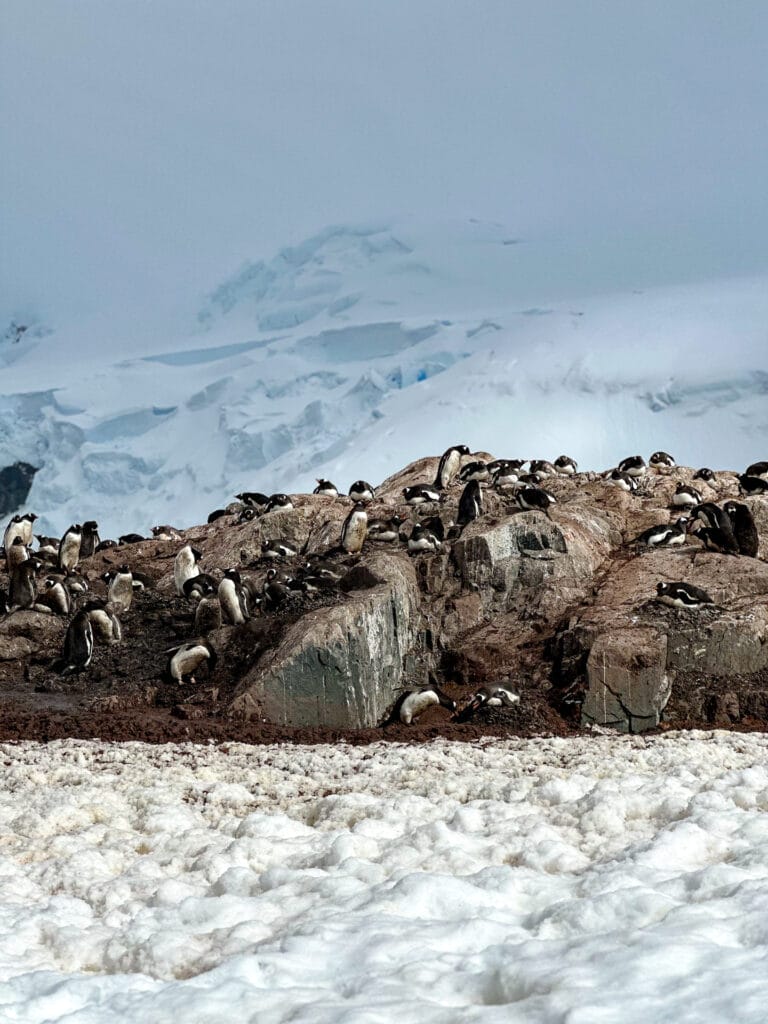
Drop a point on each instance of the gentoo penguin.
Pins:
(23, 587)
(208, 612)
(185, 566)
(253, 499)
(417, 702)
(533, 479)
(131, 538)
(421, 494)
(275, 592)
(757, 469)
(753, 484)
(474, 471)
(717, 533)
(470, 503)
(385, 529)
(105, 545)
(278, 501)
(326, 488)
(682, 595)
(17, 553)
(634, 465)
(165, 533)
(55, 596)
(450, 463)
(661, 460)
(355, 529)
(75, 583)
(489, 697)
(626, 482)
(120, 589)
(665, 534)
(277, 549)
(185, 660)
(69, 547)
(234, 606)
(218, 513)
(705, 474)
(247, 515)
(686, 496)
(47, 549)
(19, 526)
(423, 539)
(505, 473)
(90, 538)
(104, 622)
(78, 644)
(196, 586)
(565, 465)
(744, 528)
(362, 491)
(542, 467)
(535, 499)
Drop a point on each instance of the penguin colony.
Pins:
(47, 578)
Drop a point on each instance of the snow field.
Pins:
(572, 881)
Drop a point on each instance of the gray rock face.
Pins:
(344, 666)
(628, 682)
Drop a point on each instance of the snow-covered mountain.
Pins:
(365, 347)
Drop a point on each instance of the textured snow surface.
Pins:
(606, 879)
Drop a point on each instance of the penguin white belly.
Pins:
(416, 704)
(230, 602)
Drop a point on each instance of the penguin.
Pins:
(69, 547)
(634, 465)
(565, 466)
(196, 586)
(17, 553)
(275, 549)
(78, 645)
(449, 465)
(682, 595)
(470, 503)
(618, 478)
(542, 467)
(47, 549)
(326, 488)
(474, 471)
(362, 491)
(355, 529)
(19, 526)
(753, 484)
(423, 539)
(535, 499)
(185, 660)
(55, 596)
(105, 624)
(661, 460)
(717, 534)
(665, 534)
(416, 703)
(757, 469)
(247, 515)
(744, 528)
(705, 474)
(131, 538)
(105, 545)
(532, 479)
(421, 494)
(120, 589)
(505, 473)
(218, 513)
(278, 501)
(686, 496)
(275, 592)
(489, 697)
(385, 529)
(185, 566)
(90, 538)
(234, 606)
(23, 587)
(254, 499)
(165, 533)
(208, 612)
(75, 583)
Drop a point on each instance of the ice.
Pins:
(607, 879)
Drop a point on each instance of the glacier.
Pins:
(362, 348)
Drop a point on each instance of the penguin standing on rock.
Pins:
(535, 499)
(120, 589)
(661, 460)
(232, 599)
(355, 529)
(208, 612)
(450, 464)
(90, 538)
(104, 623)
(744, 528)
(470, 504)
(634, 466)
(19, 526)
(362, 491)
(23, 589)
(78, 645)
(326, 488)
(185, 660)
(17, 553)
(69, 548)
(185, 567)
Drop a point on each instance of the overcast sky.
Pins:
(148, 148)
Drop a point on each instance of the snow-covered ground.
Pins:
(363, 348)
(609, 879)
